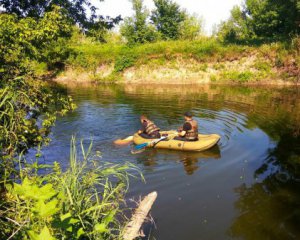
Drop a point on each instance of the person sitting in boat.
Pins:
(189, 130)
(149, 129)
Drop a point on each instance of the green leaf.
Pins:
(65, 216)
(100, 228)
(109, 218)
(66, 222)
(44, 235)
(31, 190)
(46, 210)
(32, 235)
(80, 232)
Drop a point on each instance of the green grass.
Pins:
(82, 202)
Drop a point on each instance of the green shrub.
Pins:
(219, 66)
(263, 66)
(22, 103)
(111, 78)
(203, 67)
(213, 78)
(237, 76)
(83, 202)
(125, 61)
(39, 68)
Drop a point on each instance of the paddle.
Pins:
(124, 141)
(139, 148)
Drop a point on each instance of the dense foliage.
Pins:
(136, 29)
(167, 18)
(262, 20)
(80, 12)
(22, 102)
(27, 44)
(28, 106)
(75, 9)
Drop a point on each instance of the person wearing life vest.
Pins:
(149, 129)
(189, 130)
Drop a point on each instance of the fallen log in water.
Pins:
(132, 229)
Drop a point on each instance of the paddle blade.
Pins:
(140, 146)
(136, 151)
(124, 141)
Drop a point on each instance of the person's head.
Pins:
(188, 116)
(143, 118)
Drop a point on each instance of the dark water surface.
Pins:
(247, 187)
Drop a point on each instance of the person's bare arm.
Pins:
(185, 128)
(144, 125)
(182, 133)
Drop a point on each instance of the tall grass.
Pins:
(82, 202)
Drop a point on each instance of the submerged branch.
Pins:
(132, 229)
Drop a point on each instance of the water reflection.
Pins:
(189, 160)
(270, 209)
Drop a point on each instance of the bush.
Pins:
(82, 202)
(237, 76)
(124, 61)
(22, 103)
(263, 66)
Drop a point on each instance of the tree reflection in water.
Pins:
(270, 209)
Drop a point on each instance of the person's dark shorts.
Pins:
(184, 139)
(152, 136)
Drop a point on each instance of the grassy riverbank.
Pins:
(204, 60)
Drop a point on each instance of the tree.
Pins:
(236, 28)
(270, 18)
(136, 29)
(262, 19)
(167, 18)
(100, 29)
(191, 27)
(75, 9)
(26, 40)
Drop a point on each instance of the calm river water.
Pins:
(247, 187)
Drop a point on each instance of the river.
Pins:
(247, 187)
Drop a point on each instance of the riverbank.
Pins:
(184, 62)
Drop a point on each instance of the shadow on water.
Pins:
(189, 160)
(247, 187)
